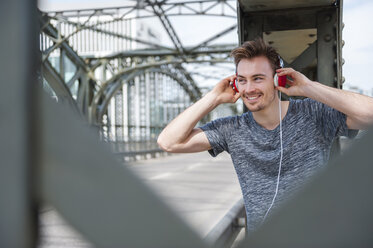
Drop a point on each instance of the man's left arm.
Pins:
(358, 108)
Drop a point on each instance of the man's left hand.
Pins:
(297, 81)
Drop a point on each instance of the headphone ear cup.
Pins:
(282, 81)
(235, 86)
(279, 80)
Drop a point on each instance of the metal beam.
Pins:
(119, 211)
(98, 110)
(18, 128)
(58, 84)
(143, 53)
(212, 38)
(264, 5)
(226, 231)
(157, 8)
(326, 48)
(188, 8)
(81, 27)
(306, 58)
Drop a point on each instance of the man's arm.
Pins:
(181, 136)
(358, 108)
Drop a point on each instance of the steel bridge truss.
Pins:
(88, 60)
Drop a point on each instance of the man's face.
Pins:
(255, 82)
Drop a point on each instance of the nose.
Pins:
(247, 88)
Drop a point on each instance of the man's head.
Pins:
(256, 63)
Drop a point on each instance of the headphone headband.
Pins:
(280, 61)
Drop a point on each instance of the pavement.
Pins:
(198, 188)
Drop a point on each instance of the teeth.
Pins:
(253, 97)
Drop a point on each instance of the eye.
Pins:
(241, 80)
(258, 78)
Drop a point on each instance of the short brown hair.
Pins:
(256, 48)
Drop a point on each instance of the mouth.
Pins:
(253, 98)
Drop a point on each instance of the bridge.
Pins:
(87, 97)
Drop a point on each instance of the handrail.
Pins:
(226, 231)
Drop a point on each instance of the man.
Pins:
(255, 141)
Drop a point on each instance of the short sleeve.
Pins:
(330, 122)
(217, 132)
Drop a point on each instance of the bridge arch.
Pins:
(136, 106)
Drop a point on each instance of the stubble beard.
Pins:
(261, 105)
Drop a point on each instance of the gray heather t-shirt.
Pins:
(308, 130)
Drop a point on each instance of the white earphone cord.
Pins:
(279, 168)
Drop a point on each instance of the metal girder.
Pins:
(306, 58)
(96, 194)
(214, 49)
(110, 92)
(157, 8)
(107, 91)
(93, 27)
(265, 5)
(55, 79)
(205, 7)
(326, 48)
(57, 83)
(226, 231)
(161, 9)
(322, 16)
(199, 53)
(180, 78)
(129, 70)
(204, 43)
(48, 28)
(19, 64)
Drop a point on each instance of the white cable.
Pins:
(279, 168)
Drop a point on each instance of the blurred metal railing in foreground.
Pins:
(49, 156)
(226, 231)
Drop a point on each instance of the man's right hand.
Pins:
(181, 136)
(224, 91)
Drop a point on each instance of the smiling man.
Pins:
(277, 145)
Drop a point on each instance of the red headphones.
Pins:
(234, 84)
(280, 80)
(277, 80)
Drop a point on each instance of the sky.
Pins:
(358, 37)
(357, 33)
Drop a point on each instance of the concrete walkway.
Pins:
(199, 188)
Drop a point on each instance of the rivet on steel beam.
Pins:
(343, 79)
(327, 37)
(343, 25)
(343, 61)
(343, 43)
(335, 61)
(335, 79)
